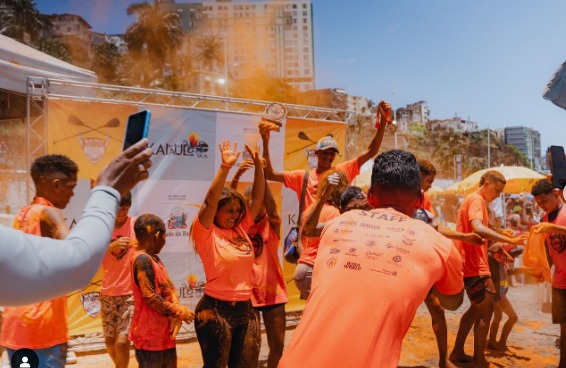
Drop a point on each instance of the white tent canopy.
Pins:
(18, 62)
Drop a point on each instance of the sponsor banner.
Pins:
(184, 144)
(186, 159)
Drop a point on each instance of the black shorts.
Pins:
(477, 286)
(558, 305)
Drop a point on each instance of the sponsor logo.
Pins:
(352, 252)
(91, 303)
(353, 266)
(397, 258)
(370, 243)
(380, 236)
(177, 219)
(395, 229)
(344, 240)
(384, 271)
(348, 222)
(338, 230)
(331, 262)
(370, 226)
(93, 148)
(408, 241)
(389, 246)
(334, 250)
(373, 255)
(192, 147)
(403, 250)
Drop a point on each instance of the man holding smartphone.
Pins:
(553, 224)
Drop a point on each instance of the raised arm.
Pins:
(270, 174)
(244, 166)
(208, 209)
(271, 209)
(377, 138)
(258, 188)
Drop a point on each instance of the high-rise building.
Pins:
(275, 36)
(527, 141)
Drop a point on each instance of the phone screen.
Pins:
(557, 162)
(137, 128)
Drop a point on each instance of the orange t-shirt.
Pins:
(294, 179)
(150, 329)
(116, 277)
(427, 204)
(269, 285)
(556, 245)
(227, 258)
(373, 269)
(475, 256)
(310, 244)
(40, 325)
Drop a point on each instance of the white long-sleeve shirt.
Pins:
(34, 268)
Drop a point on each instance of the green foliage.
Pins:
(20, 20)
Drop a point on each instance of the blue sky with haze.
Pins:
(484, 60)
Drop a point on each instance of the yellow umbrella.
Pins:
(519, 180)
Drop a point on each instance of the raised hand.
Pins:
(229, 155)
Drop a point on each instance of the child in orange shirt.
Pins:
(157, 312)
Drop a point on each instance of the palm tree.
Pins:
(211, 51)
(153, 40)
(20, 20)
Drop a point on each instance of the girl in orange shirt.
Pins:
(226, 326)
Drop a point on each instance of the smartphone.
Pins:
(137, 128)
(557, 163)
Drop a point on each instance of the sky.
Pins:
(483, 60)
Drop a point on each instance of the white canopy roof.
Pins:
(19, 61)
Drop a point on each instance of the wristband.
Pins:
(226, 165)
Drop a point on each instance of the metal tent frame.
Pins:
(41, 89)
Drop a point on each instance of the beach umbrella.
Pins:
(519, 180)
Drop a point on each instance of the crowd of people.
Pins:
(366, 261)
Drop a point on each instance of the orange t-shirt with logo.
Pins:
(475, 256)
(269, 286)
(556, 245)
(373, 270)
(310, 244)
(227, 258)
(294, 179)
(41, 325)
(116, 277)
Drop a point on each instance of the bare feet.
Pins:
(481, 364)
(460, 357)
(446, 364)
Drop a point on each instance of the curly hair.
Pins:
(148, 225)
(542, 186)
(49, 164)
(349, 194)
(396, 171)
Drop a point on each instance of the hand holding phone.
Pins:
(557, 163)
(137, 128)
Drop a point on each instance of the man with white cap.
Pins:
(326, 151)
